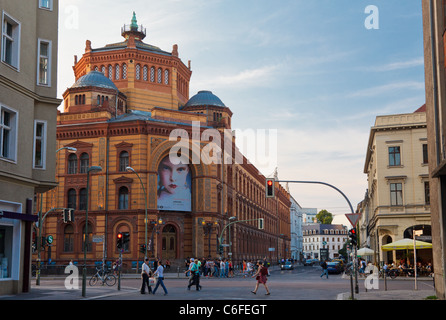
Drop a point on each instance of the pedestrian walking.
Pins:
(261, 277)
(159, 281)
(189, 273)
(195, 277)
(324, 268)
(146, 273)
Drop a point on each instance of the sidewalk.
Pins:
(389, 295)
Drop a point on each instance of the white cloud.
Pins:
(397, 65)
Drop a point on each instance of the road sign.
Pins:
(97, 239)
(353, 218)
(49, 239)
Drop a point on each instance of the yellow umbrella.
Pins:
(406, 244)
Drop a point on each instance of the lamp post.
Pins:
(84, 272)
(156, 223)
(39, 239)
(207, 227)
(130, 169)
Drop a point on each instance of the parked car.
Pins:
(308, 262)
(286, 266)
(334, 267)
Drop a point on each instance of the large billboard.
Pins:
(174, 186)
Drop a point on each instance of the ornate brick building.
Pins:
(127, 99)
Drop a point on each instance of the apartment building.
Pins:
(397, 200)
(28, 108)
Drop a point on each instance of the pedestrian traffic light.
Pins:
(119, 240)
(353, 237)
(269, 188)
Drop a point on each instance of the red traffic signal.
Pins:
(269, 188)
(119, 240)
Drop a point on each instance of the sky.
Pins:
(316, 72)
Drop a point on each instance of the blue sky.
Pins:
(308, 68)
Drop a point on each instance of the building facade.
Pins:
(296, 230)
(128, 100)
(28, 108)
(398, 197)
(316, 236)
(434, 26)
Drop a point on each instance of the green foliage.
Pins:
(324, 217)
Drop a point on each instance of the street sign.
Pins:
(49, 239)
(97, 239)
(353, 218)
(271, 249)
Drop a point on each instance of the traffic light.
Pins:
(68, 215)
(269, 188)
(261, 225)
(119, 240)
(142, 248)
(353, 237)
(125, 238)
(220, 249)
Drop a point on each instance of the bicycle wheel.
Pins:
(93, 280)
(110, 280)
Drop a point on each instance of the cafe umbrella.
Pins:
(408, 244)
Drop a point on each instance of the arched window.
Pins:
(110, 72)
(159, 77)
(84, 163)
(103, 70)
(166, 76)
(83, 99)
(138, 72)
(124, 71)
(68, 238)
(123, 161)
(83, 199)
(99, 100)
(76, 100)
(71, 199)
(145, 73)
(152, 74)
(117, 72)
(72, 164)
(123, 198)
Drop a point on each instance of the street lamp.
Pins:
(130, 169)
(84, 272)
(207, 227)
(155, 223)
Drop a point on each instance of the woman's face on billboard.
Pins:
(172, 175)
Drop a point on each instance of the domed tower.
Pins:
(148, 76)
(94, 92)
(205, 102)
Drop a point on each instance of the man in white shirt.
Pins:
(145, 274)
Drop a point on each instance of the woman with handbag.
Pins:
(261, 277)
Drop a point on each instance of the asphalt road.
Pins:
(302, 283)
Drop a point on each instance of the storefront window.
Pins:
(5, 251)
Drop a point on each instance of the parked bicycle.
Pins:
(104, 276)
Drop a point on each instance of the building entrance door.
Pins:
(169, 243)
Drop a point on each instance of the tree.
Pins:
(324, 217)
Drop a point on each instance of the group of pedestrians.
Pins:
(157, 276)
(218, 268)
(195, 268)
